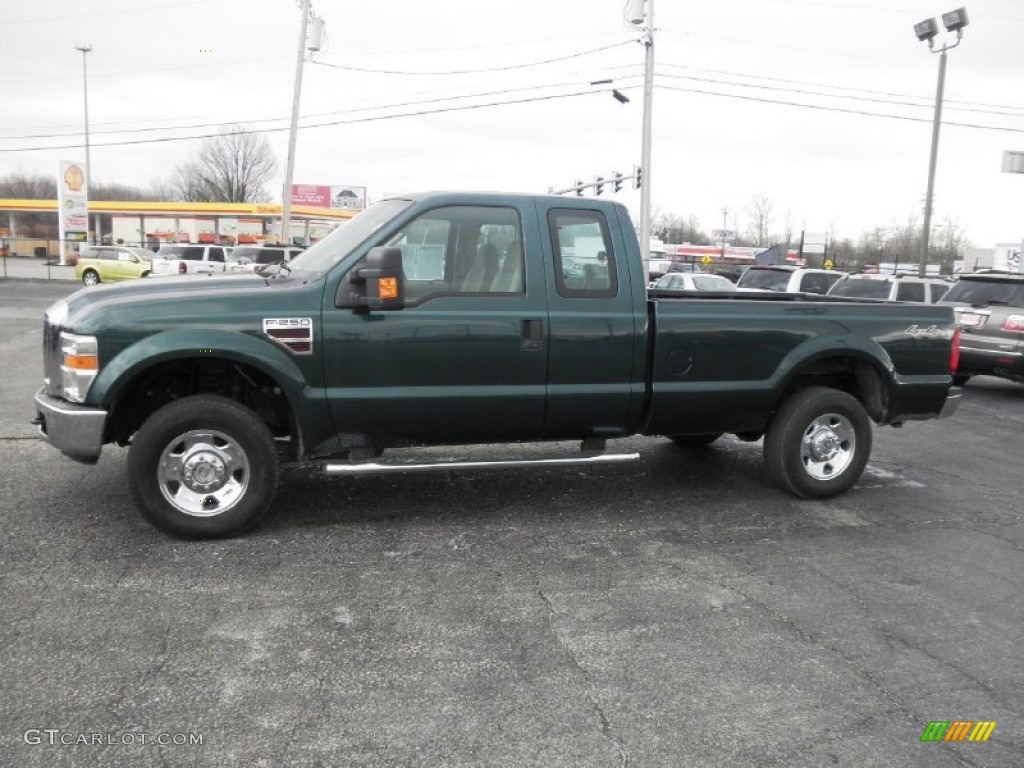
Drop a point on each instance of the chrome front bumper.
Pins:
(952, 403)
(75, 430)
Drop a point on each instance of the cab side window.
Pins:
(192, 253)
(217, 254)
(584, 259)
(462, 250)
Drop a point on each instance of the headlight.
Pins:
(79, 365)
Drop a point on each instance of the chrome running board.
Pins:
(447, 465)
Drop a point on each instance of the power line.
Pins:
(832, 95)
(419, 113)
(824, 108)
(928, 99)
(475, 71)
(248, 123)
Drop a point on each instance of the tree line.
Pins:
(897, 243)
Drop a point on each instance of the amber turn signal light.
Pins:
(388, 288)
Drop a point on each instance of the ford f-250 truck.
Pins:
(461, 319)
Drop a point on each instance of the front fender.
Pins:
(308, 404)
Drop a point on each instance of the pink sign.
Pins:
(311, 194)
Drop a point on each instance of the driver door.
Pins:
(466, 358)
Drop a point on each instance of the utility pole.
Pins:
(641, 13)
(286, 196)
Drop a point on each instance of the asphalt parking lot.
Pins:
(673, 612)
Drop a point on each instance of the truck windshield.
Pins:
(349, 236)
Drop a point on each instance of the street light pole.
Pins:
(936, 124)
(286, 195)
(85, 48)
(954, 21)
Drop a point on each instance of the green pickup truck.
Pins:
(461, 319)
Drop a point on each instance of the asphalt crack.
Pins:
(595, 705)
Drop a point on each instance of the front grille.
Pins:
(52, 358)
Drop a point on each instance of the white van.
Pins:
(781, 278)
(924, 290)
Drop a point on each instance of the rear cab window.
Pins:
(585, 264)
(910, 292)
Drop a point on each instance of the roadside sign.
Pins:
(705, 259)
(828, 264)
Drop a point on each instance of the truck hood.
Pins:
(173, 301)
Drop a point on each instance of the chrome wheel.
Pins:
(203, 473)
(90, 278)
(828, 446)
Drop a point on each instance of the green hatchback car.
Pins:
(108, 263)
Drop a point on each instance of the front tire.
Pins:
(818, 443)
(90, 277)
(203, 467)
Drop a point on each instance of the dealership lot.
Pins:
(678, 611)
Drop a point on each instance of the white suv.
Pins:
(924, 290)
(785, 279)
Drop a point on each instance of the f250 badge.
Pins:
(931, 332)
(293, 333)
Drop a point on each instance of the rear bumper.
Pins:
(74, 430)
(998, 362)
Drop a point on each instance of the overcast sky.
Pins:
(726, 128)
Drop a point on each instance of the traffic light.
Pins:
(617, 181)
(598, 185)
(579, 188)
(638, 177)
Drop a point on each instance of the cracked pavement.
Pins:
(673, 612)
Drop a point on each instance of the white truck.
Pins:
(183, 259)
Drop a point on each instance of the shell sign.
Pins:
(72, 205)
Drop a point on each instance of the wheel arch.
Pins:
(863, 369)
(250, 371)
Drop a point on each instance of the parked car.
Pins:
(182, 259)
(782, 278)
(926, 290)
(108, 263)
(989, 308)
(250, 258)
(689, 281)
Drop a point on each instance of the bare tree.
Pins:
(231, 168)
(22, 185)
(188, 184)
(760, 218)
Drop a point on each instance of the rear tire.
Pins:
(90, 277)
(203, 467)
(960, 379)
(818, 443)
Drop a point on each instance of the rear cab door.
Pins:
(597, 311)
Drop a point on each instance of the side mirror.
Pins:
(378, 282)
